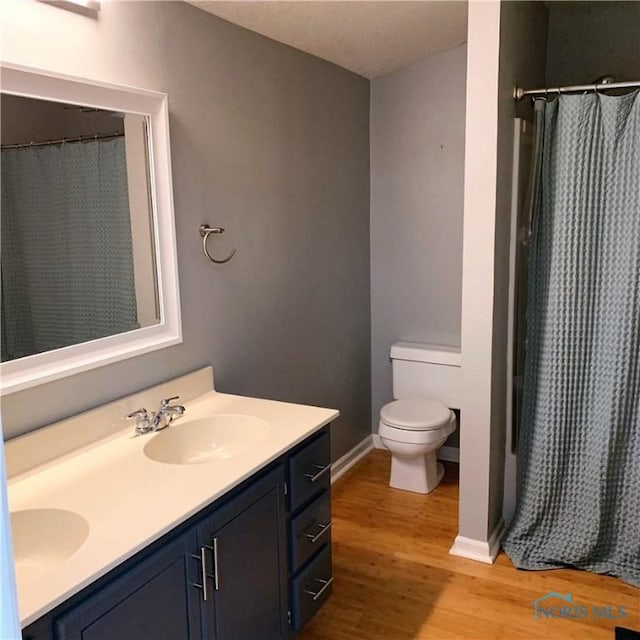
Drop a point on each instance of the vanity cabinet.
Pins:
(155, 599)
(223, 577)
(255, 565)
(244, 549)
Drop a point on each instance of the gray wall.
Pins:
(268, 142)
(26, 120)
(588, 40)
(417, 178)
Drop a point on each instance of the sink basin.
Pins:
(44, 539)
(218, 437)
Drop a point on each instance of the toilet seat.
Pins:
(416, 414)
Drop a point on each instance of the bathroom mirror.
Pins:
(88, 265)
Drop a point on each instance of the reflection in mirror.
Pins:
(76, 259)
(88, 263)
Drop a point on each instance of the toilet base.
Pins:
(421, 474)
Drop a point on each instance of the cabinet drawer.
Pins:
(311, 588)
(310, 471)
(310, 529)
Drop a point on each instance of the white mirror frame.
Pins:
(30, 371)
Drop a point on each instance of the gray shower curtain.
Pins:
(578, 500)
(66, 253)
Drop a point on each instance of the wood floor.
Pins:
(395, 580)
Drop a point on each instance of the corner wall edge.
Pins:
(479, 550)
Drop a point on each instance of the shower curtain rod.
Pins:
(46, 143)
(519, 93)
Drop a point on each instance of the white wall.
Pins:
(477, 270)
(506, 46)
(417, 178)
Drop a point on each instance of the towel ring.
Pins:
(205, 232)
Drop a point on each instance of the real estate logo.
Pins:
(557, 605)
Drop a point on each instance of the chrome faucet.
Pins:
(170, 412)
(157, 420)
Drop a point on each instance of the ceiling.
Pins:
(368, 38)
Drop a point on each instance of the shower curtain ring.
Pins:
(205, 232)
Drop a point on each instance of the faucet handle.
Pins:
(165, 402)
(143, 420)
(140, 414)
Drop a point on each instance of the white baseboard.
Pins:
(480, 550)
(448, 454)
(343, 464)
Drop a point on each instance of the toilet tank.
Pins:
(427, 370)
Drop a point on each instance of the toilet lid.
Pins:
(419, 414)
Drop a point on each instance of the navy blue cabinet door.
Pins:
(155, 600)
(248, 569)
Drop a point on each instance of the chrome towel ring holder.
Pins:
(205, 232)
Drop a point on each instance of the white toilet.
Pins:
(426, 382)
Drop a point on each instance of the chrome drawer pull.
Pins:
(316, 594)
(314, 539)
(323, 470)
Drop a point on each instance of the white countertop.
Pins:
(129, 500)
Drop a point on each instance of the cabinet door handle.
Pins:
(195, 584)
(203, 565)
(319, 474)
(325, 585)
(323, 529)
(216, 585)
